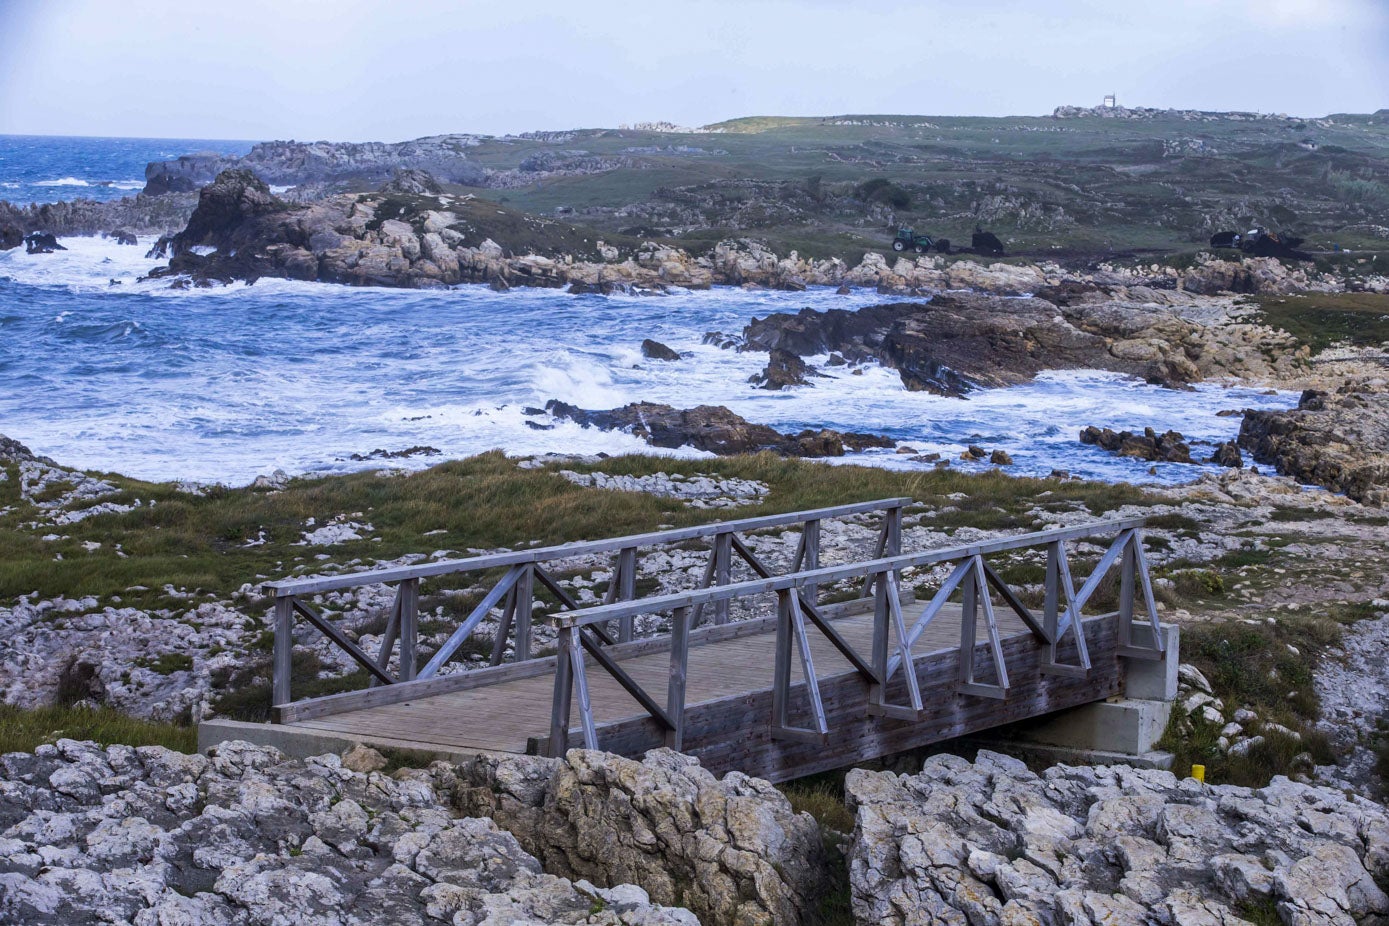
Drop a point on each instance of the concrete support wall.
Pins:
(1130, 725)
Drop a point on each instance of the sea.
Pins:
(104, 371)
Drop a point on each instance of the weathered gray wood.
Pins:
(810, 556)
(781, 663)
(812, 683)
(838, 573)
(572, 647)
(352, 649)
(757, 566)
(933, 607)
(525, 601)
(610, 666)
(697, 614)
(503, 629)
(1059, 579)
(627, 591)
(409, 628)
(489, 601)
(388, 637)
(393, 574)
(561, 705)
(1015, 603)
(283, 656)
(723, 571)
(710, 727)
(679, 668)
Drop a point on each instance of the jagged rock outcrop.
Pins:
(1338, 440)
(990, 843)
(715, 429)
(292, 163)
(961, 341)
(1167, 447)
(732, 851)
(245, 836)
(144, 215)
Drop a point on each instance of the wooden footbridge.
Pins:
(801, 686)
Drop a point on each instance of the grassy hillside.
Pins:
(1081, 186)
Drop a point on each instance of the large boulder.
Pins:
(732, 850)
(226, 207)
(1167, 447)
(1338, 440)
(244, 836)
(992, 842)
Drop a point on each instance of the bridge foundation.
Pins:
(1124, 729)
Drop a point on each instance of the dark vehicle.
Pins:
(1260, 242)
(908, 238)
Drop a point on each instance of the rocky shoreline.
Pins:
(244, 835)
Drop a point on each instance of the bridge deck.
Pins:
(505, 716)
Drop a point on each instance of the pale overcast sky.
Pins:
(363, 70)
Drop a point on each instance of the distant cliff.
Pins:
(292, 163)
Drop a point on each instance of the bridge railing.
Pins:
(975, 581)
(513, 596)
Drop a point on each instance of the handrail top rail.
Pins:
(828, 574)
(289, 587)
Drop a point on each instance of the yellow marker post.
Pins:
(1199, 773)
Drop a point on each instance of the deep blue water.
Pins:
(47, 168)
(225, 384)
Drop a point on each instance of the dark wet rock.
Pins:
(713, 428)
(1339, 440)
(655, 350)
(1227, 454)
(379, 454)
(11, 236)
(958, 342)
(1168, 447)
(1000, 458)
(783, 369)
(973, 453)
(124, 236)
(225, 209)
(843, 290)
(42, 243)
(723, 341)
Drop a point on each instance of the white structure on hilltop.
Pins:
(1111, 101)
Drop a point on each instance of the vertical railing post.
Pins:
(810, 540)
(723, 571)
(882, 617)
(969, 617)
(409, 628)
(525, 592)
(503, 628)
(679, 667)
(627, 590)
(781, 669)
(563, 698)
(1052, 604)
(284, 649)
(1128, 566)
(892, 545)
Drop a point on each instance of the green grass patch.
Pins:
(1320, 320)
(25, 730)
(1251, 665)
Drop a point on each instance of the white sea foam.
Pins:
(222, 384)
(63, 181)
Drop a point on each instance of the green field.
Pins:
(1064, 187)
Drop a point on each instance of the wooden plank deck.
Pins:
(503, 717)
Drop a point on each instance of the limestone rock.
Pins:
(732, 851)
(992, 842)
(247, 837)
